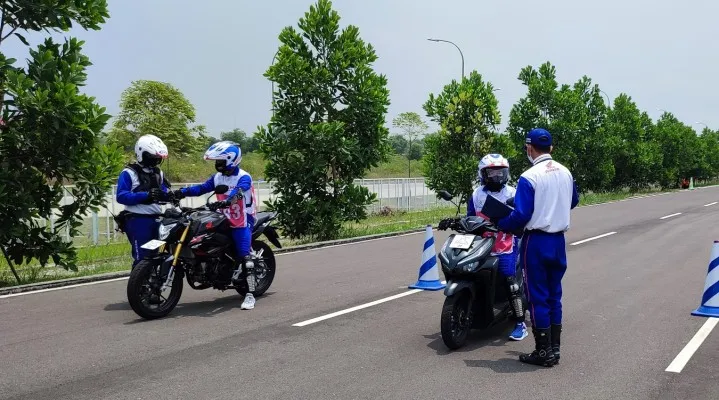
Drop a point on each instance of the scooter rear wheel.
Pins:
(456, 320)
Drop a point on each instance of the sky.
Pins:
(662, 53)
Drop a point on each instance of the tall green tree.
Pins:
(160, 109)
(467, 112)
(328, 127)
(248, 144)
(679, 145)
(412, 127)
(574, 115)
(50, 133)
(637, 156)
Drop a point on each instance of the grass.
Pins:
(194, 169)
(114, 257)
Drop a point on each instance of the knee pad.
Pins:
(250, 269)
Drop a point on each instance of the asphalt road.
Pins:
(627, 303)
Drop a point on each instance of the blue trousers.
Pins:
(242, 237)
(507, 262)
(544, 261)
(140, 230)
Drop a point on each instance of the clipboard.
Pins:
(495, 209)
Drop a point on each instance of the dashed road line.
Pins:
(593, 238)
(670, 215)
(711, 204)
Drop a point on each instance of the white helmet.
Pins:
(227, 155)
(493, 171)
(150, 150)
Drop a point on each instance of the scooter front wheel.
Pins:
(456, 320)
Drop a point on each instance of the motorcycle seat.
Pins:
(262, 218)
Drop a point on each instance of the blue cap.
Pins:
(539, 137)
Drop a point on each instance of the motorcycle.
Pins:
(195, 243)
(475, 291)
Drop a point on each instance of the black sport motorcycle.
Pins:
(475, 293)
(195, 243)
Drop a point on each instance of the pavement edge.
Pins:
(31, 287)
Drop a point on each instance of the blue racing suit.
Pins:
(141, 223)
(239, 182)
(545, 195)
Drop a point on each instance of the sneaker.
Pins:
(519, 332)
(249, 302)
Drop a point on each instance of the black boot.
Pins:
(542, 354)
(556, 334)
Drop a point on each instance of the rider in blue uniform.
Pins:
(238, 199)
(493, 172)
(139, 187)
(545, 195)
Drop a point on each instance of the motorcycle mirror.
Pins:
(445, 195)
(221, 189)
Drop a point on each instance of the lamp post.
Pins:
(460, 50)
(272, 98)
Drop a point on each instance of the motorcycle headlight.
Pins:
(165, 230)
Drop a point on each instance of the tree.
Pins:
(637, 156)
(573, 115)
(399, 144)
(328, 126)
(412, 127)
(160, 109)
(50, 134)
(467, 113)
(247, 144)
(679, 146)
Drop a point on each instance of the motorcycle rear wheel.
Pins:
(456, 319)
(264, 282)
(139, 290)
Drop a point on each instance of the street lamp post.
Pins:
(273, 83)
(460, 50)
(609, 101)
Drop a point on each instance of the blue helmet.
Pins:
(227, 155)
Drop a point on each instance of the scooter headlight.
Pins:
(165, 230)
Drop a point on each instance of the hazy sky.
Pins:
(663, 53)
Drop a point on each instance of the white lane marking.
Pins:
(63, 287)
(593, 238)
(710, 204)
(670, 215)
(359, 307)
(126, 277)
(352, 243)
(688, 351)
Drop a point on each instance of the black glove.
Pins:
(220, 204)
(178, 195)
(444, 224)
(155, 195)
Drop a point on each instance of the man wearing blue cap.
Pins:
(546, 193)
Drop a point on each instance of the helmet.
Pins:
(227, 155)
(493, 171)
(150, 150)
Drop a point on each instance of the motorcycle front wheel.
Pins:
(456, 319)
(143, 291)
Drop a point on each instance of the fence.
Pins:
(400, 193)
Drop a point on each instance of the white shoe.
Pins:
(249, 302)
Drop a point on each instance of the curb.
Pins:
(31, 287)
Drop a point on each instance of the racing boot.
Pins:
(556, 334)
(249, 302)
(542, 354)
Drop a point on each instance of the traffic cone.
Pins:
(428, 271)
(710, 300)
(691, 183)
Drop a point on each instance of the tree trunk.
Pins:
(9, 263)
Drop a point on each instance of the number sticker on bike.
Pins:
(462, 242)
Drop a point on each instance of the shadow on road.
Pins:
(207, 308)
(495, 336)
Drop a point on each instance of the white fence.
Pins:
(399, 193)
